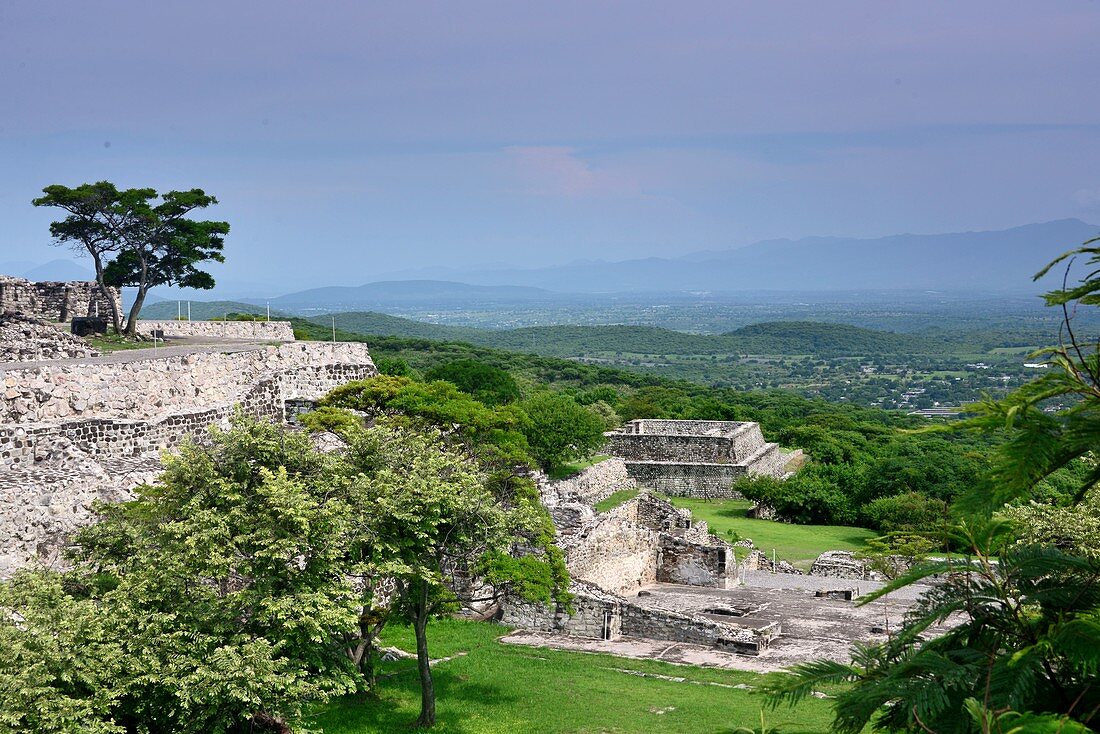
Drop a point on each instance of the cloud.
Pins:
(560, 172)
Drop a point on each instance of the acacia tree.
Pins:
(135, 242)
(94, 224)
(163, 247)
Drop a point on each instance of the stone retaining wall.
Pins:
(51, 470)
(151, 388)
(710, 481)
(596, 483)
(268, 331)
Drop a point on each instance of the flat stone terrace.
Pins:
(811, 626)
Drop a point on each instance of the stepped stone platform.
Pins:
(695, 458)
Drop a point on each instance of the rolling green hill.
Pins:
(790, 337)
(201, 310)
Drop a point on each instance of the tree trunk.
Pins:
(427, 688)
(116, 318)
(139, 299)
(267, 722)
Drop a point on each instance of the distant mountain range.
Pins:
(403, 293)
(999, 261)
(53, 270)
(973, 262)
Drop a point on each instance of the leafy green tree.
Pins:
(152, 244)
(438, 522)
(94, 224)
(164, 246)
(227, 581)
(560, 429)
(491, 385)
(906, 512)
(1027, 650)
(1026, 655)
(61, 659)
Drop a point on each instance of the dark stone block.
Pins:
(88, 325)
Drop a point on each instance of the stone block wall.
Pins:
(268, 331)
(662, 624)
(120, 415)
(711, 481)
(151, 388)
(53, 300)
(596, 614)
(615, 554)
(596, 483)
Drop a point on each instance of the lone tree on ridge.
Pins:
(135, 241)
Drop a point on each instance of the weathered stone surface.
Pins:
(27, 339)
(841, 565)
(53, 301)
(273, 331)
(694, 458)
(73, 433)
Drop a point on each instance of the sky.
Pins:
(347, 141)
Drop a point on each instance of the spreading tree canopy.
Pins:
(135, 240)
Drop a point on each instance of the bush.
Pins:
(906, 513)
(329, 419)
(560, 429)
(491, 385)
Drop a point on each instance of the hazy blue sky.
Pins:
(348, 139)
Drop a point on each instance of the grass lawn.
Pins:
(615, 499)
(504, 689)
(798, 544)
(113, 343)
(576, 467)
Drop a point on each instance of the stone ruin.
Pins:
(615, 555)
(695, 458)
(54, 301)
(648, 580)
(27, 339)
(72, 432)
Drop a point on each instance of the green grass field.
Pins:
(798, 544)
(616, 499)
(505, 689)
(578, 466)
(112, 343)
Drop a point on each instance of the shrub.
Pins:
(908, 512)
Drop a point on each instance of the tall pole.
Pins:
(179, 311)
(269, 310)
(188, 310)
(333, 329)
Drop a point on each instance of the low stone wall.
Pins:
(596, 614)
(662, 624)
(596, 483)
(268, 331)
(841, 565)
